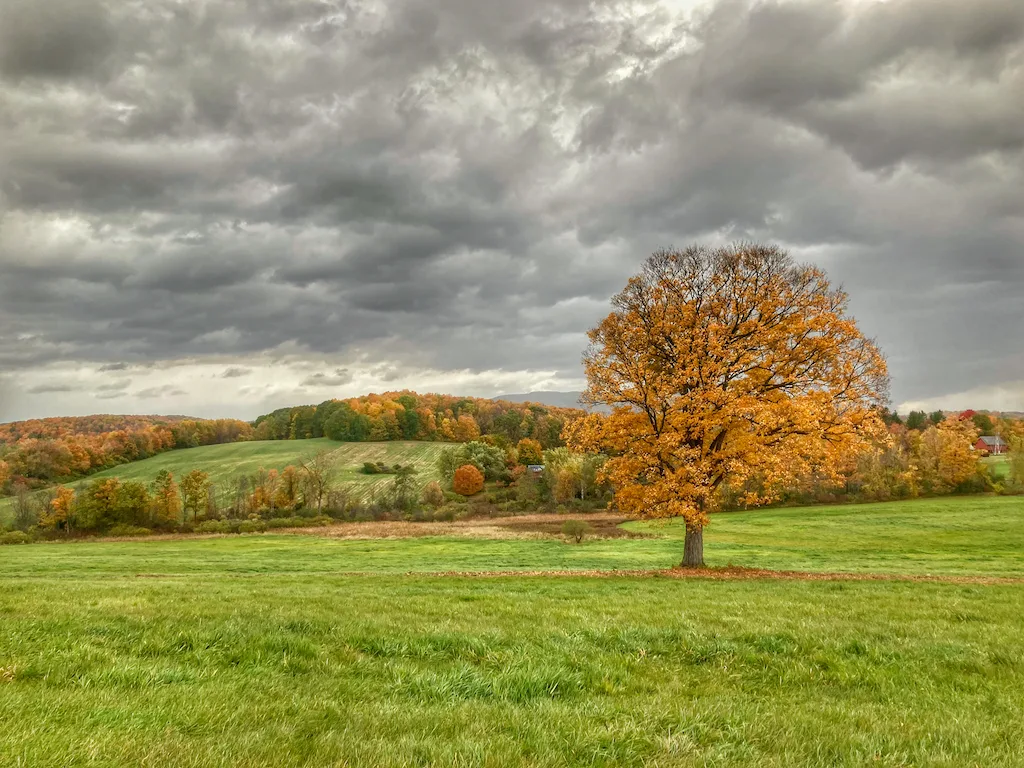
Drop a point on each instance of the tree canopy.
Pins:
(717, 363)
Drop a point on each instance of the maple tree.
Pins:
(718, 363)
(468, 480)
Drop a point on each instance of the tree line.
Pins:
(310, 494)
(44, 451)
(410, 416)
(41, 452)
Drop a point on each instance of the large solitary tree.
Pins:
(720, 363)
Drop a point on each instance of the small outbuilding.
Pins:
(992, 444)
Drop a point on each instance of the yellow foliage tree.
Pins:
(720, 363)
(193, 489)
(61, 509)
(945, 458)
(529, 451)
(165, 500)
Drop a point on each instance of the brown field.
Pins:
(604, 525)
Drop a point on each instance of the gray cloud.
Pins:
(235, 373)
(340, 377)
(41, 389)
(461, 185)
(166, 390)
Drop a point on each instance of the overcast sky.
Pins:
(220, 208)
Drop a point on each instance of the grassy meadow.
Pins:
(312, 651)
(225, 463)
(998, 466)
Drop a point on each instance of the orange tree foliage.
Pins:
(39, 451)
(468, 480)
(411, 416)
(720, 363)
(59, 514)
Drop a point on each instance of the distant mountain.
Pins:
(556, 399)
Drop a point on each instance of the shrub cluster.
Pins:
(380, 468)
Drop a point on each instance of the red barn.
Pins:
(992, 444)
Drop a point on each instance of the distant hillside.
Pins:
(556, 399)
(409, 415)
(42, 451)
(553, 399)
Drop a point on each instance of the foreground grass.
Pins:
(314, 670)
(948, 535)
(260, 650)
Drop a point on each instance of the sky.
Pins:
(221, 208)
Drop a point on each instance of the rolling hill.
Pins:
(226, 463)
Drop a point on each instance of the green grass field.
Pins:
(225, 463)
(998, 466)
(271, 650)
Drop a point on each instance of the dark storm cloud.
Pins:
(460, 185)
(59, 39)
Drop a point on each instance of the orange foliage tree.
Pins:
(61, 509)
(468, 480)
(718, 363)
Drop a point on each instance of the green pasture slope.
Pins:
(225, 463)
(303, 651)
(998, 466)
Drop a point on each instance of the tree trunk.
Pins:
(693, 549)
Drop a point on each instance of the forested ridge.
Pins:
(410, 416)
(39, 452)
(42, 451)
